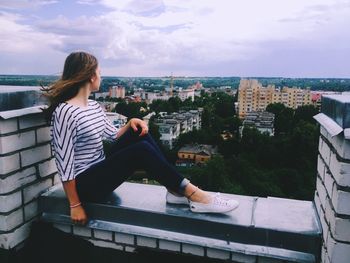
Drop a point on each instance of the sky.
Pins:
(155, 38)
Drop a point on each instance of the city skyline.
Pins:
(292, 38)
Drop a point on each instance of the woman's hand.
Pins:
(135, 123)
(78, 215)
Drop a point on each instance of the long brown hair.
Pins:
(78, 69)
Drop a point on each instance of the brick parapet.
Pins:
(27, 169)
(332, 196)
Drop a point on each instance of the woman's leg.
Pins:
(130, 137)
(102, 178)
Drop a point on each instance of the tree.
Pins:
(305, 113)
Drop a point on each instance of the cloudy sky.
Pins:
(245, 38)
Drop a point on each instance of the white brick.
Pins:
(329, 182)
(323, 253)
(329, 211)
(31, 210)
(56, 179)
(47, 168)
(32, 120)
(9, 163)
(324, 227)
(82, 231)
(64, 228)
(43, 135)
(341, 201)
(338, 252)
(340, 228)
(322, 193)
(100, 243)
(17, 180)
(340, 171)
(11, 240)
(124, 238)
(130, 249)
(17, 141)
(241, 258)
(7, 126)
(317, 202)
(10, 202)
(34, 190)
(341, 146)
(320, 166)
(101, 234)
(325, 152)
(193, 249)
(11, 221)
(324, 132)
(146, 242)
(217, 253)
(169, 245)
(326, 259)
(35, 155)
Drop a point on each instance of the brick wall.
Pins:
(27, 169)
(332, 196)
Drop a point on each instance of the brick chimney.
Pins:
(332, 195)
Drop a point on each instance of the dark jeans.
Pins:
(127, 154)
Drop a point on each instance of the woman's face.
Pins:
(96, 80)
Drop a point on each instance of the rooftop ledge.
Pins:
(16, 101)
(268, 228)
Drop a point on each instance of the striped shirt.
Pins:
(77, 134)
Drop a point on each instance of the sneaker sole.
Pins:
(201, 210)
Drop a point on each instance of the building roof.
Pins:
(199, 149)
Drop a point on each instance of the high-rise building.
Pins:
(252, 96)
(117, 92)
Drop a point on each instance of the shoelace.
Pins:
(218, 200)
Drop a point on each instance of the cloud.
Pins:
(24, 4)
(203, 37)
(16, 37)
(147, 8)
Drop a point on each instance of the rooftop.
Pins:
(259, 227)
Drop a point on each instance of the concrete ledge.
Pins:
(137, 215)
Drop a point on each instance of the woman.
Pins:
(78, 126)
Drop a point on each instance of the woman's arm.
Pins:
(134, 123)
(77, 211)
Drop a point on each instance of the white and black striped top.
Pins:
(77, 134)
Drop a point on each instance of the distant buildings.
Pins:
(170, 126)
(192, 154)
(252, 96)
(316, 97)
(262, 121)
(107, 106)
(117, 119)
(117, 92)
(185, 94)
(150, 96)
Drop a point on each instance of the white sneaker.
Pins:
(175, 199)
(216, 205)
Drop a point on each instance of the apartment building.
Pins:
(117, 92)
(173, 124)
(252, 96)
(263, 121)
(184, 94)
